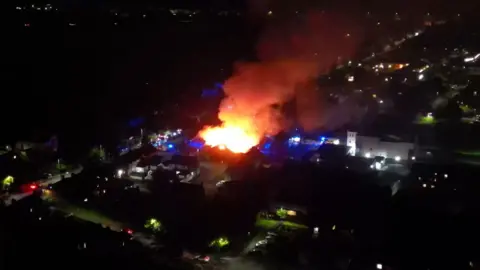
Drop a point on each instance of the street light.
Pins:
(120, 173)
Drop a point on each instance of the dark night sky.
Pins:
(51, 64)
(347, 5)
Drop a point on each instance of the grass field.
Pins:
(474, 153)
(82, 212)
(271, 224)
(91, 216)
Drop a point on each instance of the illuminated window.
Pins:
(291, 213)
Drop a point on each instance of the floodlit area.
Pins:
(270, 224)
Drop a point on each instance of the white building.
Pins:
(374, 146)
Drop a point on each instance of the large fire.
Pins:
(234, 138)
(290, 58)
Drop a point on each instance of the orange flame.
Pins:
(234, 138)
(287, 69)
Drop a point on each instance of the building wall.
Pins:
(22, 146)
(377, 147)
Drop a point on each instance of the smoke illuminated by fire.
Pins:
(291, 57)
(249, 110)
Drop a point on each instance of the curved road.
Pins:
(42, 182)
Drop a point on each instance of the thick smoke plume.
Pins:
(291, 56)
(255, 92)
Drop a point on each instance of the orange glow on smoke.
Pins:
(291, 56)
(234, 138)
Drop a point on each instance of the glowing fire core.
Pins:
(234, 138)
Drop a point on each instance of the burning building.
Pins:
(290, 58)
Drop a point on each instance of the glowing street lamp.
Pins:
(120, 173)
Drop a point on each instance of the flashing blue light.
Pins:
(216, 91)
(322, 138)
(196, 144)
(170, 146)
(136, 122)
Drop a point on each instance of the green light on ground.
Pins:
(154, 225)
(24, 156)
(465, 108)
(220, 242)
(271, 224)
(7, 182)
(427, 119)
(282, 213)
(469, 153)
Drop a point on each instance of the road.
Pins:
(253, 243)
(43, 183)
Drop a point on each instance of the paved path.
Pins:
(43, 183)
